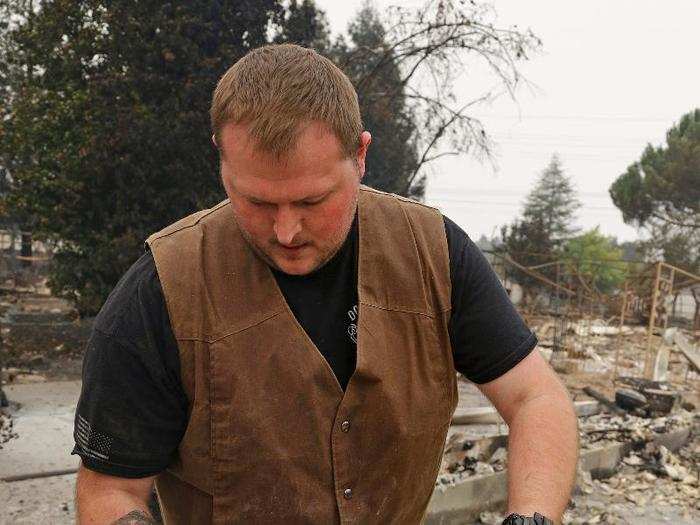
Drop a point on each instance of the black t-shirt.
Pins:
(132, 411)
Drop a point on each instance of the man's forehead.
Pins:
(315, 167)
(313, 139)
(279, 192)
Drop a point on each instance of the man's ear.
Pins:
(213, 139)
(365, 141)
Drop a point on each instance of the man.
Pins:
(288, 356)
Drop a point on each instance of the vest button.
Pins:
(347, 493)
(345, 426)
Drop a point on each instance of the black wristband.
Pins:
(519, 519)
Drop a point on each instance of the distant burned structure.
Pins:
(24, 262)
(652, 298)
(23, 271)
(656, 295)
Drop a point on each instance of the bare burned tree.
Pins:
(433, 46)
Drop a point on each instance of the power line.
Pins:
(621, 118)
(509, 204)
(517, 192)
(558, 136)
(593, 147)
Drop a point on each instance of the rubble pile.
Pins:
(659, 461)
(464, 458)
(6, 428)
(651, 482)
(607, 428)
(587, 351)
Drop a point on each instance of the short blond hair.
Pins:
(276, 89)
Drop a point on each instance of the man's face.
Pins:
(297, 211)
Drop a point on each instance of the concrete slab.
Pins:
(602, 461)
(482, 415)
(46, 500)
(43, 417)
(462, 503)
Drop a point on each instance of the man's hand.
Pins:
(102, 499)
(543, 437)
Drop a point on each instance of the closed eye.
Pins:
(306, 203)
(313, 201)
(258, 203)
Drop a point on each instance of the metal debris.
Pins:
(598, 396)
(630, 399)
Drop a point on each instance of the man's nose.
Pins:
(287, 225)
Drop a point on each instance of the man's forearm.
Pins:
(104, 499)
(97, 514)
(542, 455)
(116, 509)
(110, 506)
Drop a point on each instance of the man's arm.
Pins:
(102, 499)
(543, 437)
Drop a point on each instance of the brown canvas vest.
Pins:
(272, 437)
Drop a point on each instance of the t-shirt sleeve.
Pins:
(132, 411)
(488, 335)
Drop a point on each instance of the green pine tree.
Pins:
(547, 219)
(553, 203)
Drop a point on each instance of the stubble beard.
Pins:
(323, 258)
(338, 243)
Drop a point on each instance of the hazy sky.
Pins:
(612, 76)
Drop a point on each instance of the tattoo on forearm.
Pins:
(136, 517)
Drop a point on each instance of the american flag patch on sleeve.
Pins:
(91, 442)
